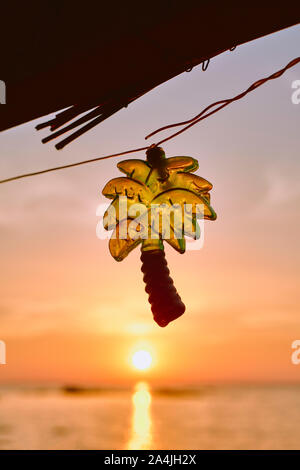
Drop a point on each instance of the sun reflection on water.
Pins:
(141, 418)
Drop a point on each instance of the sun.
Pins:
(141, 359)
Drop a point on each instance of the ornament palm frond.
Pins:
(166, 183)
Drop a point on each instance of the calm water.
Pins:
(227, 417)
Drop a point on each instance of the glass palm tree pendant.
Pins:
(158, 201)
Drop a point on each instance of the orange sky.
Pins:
(71, 314)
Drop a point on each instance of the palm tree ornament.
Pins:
(158, 200)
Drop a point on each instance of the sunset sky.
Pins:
(71, 314)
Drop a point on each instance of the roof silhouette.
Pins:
(83, 56)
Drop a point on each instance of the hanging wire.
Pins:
(205, 65)
(13, 178)
(221, 104)
(189, 123)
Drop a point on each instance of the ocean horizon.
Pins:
(227, 416)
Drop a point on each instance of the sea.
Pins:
(206, 417)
